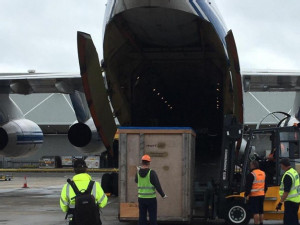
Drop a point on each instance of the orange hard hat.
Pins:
(146, 158)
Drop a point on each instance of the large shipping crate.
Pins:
(172, 154)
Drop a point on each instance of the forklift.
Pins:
(268, 146)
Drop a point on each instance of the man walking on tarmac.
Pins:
(255, 189)
(82, 197)
(289, 193)
(148, 182)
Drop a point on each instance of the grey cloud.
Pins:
(42, 34)
(268, 27)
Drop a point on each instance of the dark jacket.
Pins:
(153, 179)
(287, 182)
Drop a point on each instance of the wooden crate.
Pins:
(172, 153)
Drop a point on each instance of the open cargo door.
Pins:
(94, 88)
(236, 77)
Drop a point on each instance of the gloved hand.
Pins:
(256, 156)
(138, 168)
(278, 207)
(165, 196)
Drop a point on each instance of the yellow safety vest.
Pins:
(82, 181)
(294, 194)
(145, 188)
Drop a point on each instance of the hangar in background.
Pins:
(54, 114)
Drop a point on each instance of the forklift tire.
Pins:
(237, 213)
(106, 183)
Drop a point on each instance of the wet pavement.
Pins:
(39, 204)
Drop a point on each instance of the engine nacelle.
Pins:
(20, 137)
(85, 138)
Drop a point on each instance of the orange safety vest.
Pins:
(258, 186)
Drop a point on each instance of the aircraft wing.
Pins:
(28, 83)
(271, 81)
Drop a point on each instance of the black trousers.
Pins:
(256, 204)
(291, 213)
(147, 205)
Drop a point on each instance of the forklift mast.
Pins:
(232, 134)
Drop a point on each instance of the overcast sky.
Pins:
(41, 35)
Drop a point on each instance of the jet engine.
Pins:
(20, 137)
(85, 138)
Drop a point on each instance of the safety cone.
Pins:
(25, 183)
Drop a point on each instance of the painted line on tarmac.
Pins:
(62, 170)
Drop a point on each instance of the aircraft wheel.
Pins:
(237, 213)
(115, 183)
(106, 183)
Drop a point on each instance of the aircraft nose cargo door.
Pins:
(172, 157)
(94, 88)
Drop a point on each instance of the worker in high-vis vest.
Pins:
(255, 190)
(148, 183)
(82, 181)
(289, 193)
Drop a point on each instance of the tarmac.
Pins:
(39, 203)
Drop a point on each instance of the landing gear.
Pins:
(237, 213)
(109, 183)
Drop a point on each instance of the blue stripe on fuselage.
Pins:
(112, 9)
(196, 9)
(30, 137)
(212, 18)
(30, 143)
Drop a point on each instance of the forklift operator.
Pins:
(256, 189)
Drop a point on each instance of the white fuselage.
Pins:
(205, 9)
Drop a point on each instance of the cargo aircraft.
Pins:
(166, 63)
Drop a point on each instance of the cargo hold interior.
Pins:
(167, 70)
